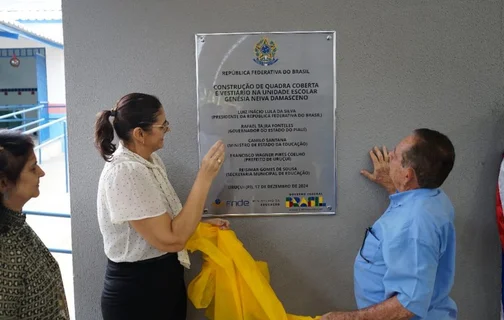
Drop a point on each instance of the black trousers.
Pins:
(150, 289)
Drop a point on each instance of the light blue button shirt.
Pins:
(410, 252)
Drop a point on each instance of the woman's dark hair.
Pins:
(131, 111)
(15, 149)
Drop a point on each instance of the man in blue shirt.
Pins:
(406, 265)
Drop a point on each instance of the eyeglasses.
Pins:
(164, 126)
(368, 230)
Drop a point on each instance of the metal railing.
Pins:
(15, 113)
(48, 142)
(53, 215)
(27, 122)
(48, 214)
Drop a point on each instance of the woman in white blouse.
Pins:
(143, 224)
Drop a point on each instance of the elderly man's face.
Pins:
(400, 175)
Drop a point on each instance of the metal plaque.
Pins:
(271, 98)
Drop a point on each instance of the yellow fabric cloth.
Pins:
(231, 284)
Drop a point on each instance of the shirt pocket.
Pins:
(371, 249)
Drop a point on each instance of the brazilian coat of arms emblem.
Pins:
(265, 51)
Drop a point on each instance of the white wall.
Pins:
(53, 29)
(55, 66)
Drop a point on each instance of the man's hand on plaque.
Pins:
(381, 169)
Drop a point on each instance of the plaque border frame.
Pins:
(200, 37)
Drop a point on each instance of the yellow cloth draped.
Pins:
(231, 284)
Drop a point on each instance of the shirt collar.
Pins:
(124, 153)
(399, 198)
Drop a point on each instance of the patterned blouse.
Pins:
(133, 188)
(30, 278)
